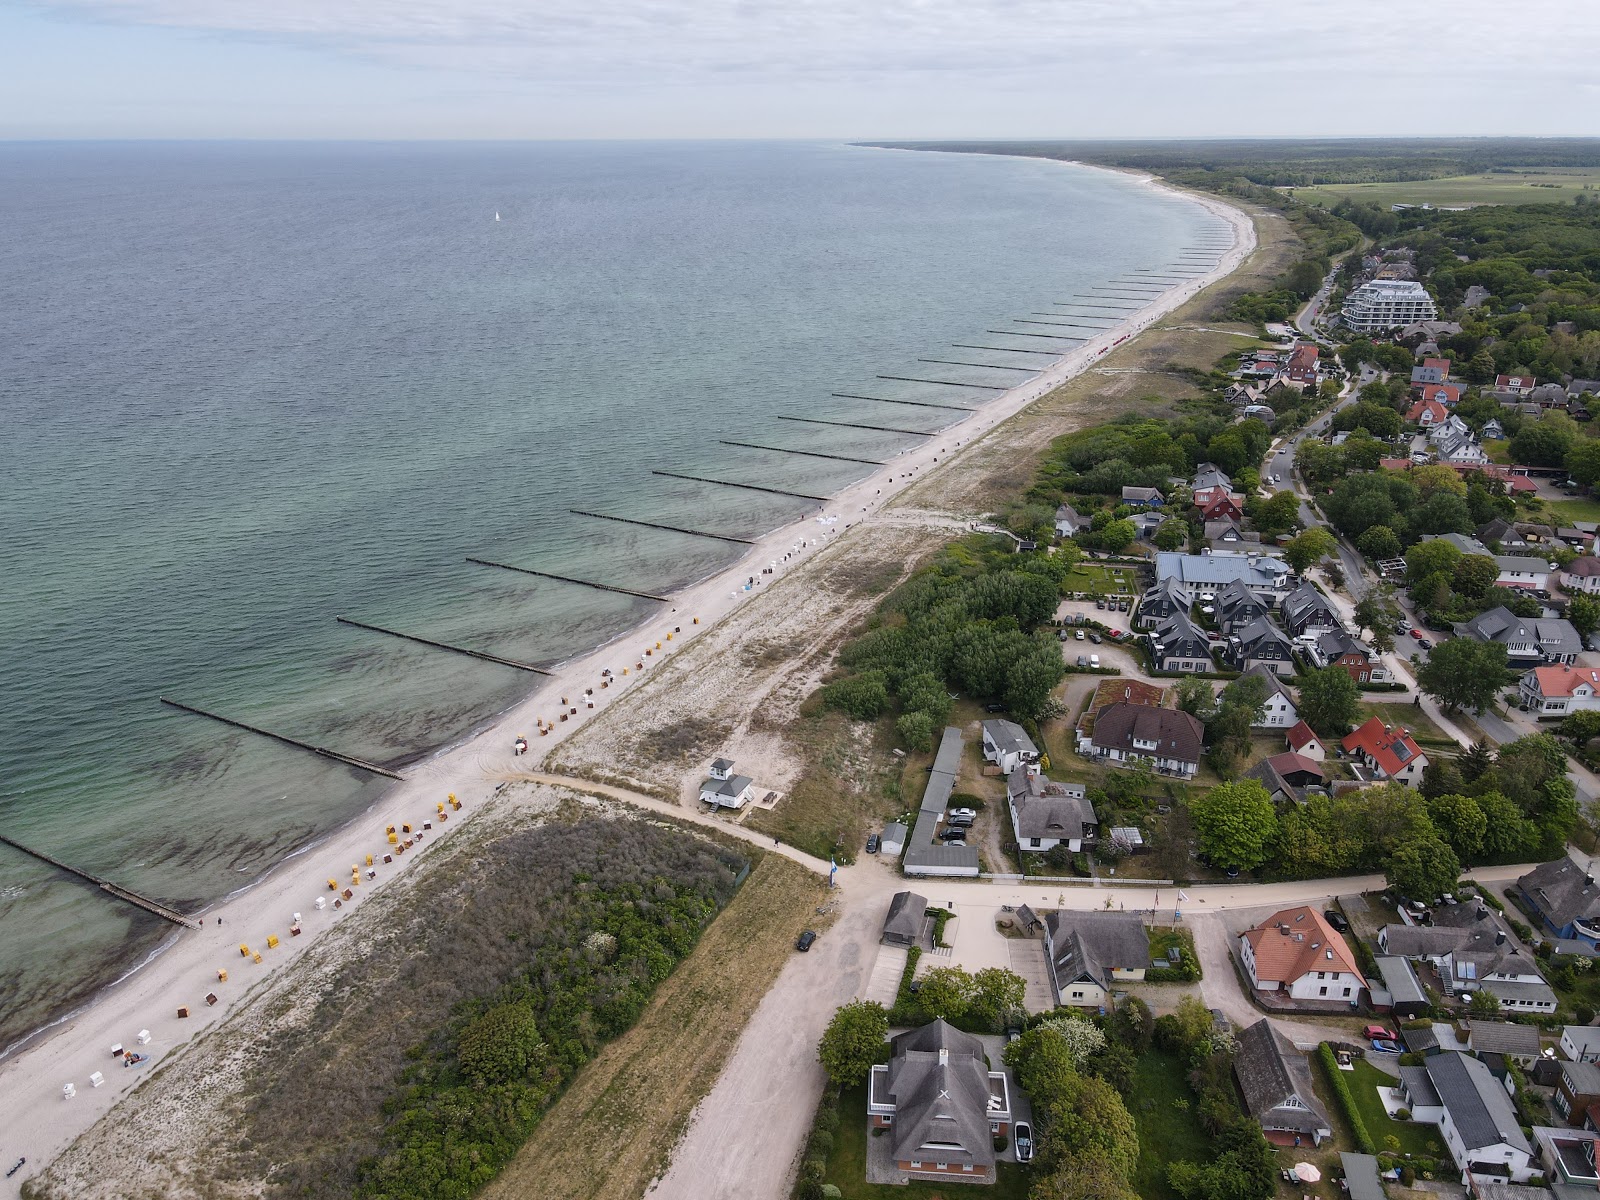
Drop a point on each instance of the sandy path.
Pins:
(39, 1122)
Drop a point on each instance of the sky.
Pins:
(796, 68)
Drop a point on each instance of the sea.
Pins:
(246, 388)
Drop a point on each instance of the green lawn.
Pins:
(1422, 728)
(1093, 577)
(847, 1165)
(1524, 187)
(1364, 1081)
(1168, 1133)
(1575, 510)
(1498, 450)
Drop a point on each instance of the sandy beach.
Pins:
(39, 1121)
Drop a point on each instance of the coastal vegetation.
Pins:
(425, 1082)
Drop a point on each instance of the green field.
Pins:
(1536, 185)
(1168, 1133)
(1575, 510)
(1110, 581)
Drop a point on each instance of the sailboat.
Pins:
(496, 216)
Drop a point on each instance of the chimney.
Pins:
(1500, 938)
(1481, 914)
(944, 1056)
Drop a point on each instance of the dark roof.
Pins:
(1477, 1104)
(945, 1104)
(1581, 1078)
(1177, 735)
(1418, 941)
(1404, 986)
(923, 852)
(1503, 1037)
(1007, 737)
(1047, 809)
(1562, 891)
(906, 911)
(1276, 1081)
(1259, 633)
(1361, 1176)
(1274, 682)
(1090, 945)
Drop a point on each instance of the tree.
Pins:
(1584, 613)
(1480, 369)
(1082, 1176)
(1081, 1036)
(1422, 868)
(1484, 1004)
(1461, 673)
(502, 1045)
(1236, 823)
(1430, 558)
(853, 1041)
(1117, 536)
(1087, 1117)
(1244, 1167)
(1473, 575)
(946, 992)
(915, 730)
(1278, 513)
(1543, 443)
(996, 994)
(1196, 698)
(1171, 535)
(1376, 609)
(1378, 543)
(1305, 550)
(1581, 727)
(1583, 461)
(1460, 821)
(1329, 700)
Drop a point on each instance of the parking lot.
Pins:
(976, 944)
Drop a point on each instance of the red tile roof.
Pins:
(1564, 680)
(1300, 735)
(1391, 748)
(1444, 393)
(1291, 943)
(1430, 408)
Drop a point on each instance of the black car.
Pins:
(955, 831)
(1095, 638)
(872, 843)
(1336, 919)
(805, 940)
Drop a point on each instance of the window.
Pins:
(941, 1166)
(1347, 991)
(1322, 974)
(916, 1166)
(1033, 843)
(1077, 995)
(1322, 991)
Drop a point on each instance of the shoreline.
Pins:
(182, 969)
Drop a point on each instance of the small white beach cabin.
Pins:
(725, 789)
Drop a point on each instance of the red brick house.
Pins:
(1218, 504)
(1302, 366)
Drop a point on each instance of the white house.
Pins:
(1458, 1093)
(1581, 575)
(1298, 953)
(1303, 741)
(1047, 814)
(1387, 750)
(1088, 952)
(725, 789)
(1581, 1043)
(1278, 712)
(1523, 571)
(1008, 746)
(1557, 690)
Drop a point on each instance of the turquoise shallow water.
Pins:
(247, 387)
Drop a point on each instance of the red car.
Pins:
(1417, 633)
(1378, 1031)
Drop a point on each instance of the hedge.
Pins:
(1347, 1103)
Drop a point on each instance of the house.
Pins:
(1143, 497)
(1261, 643)
(1304, 742)
(1336, 648)
(725, 789)
(903, 924)
(1515, 385)
(1242, 395)
(1298, 953)
(1521, 571)
(1447, 394)
(1278, 711)
(1388, 750)
(1069, 521)
(1581, 575)
(1576, 1090)
(1306, 610)
(1583, 387)
(1088, 952)
(1046, 814)
(1227, 534)
(1275, 1080)
(1180, 645)
(1203, 573)
(1209, 475)
(1286, 777)
(1168, 598)
(1568, 1159)
(1385, 304)
(1459, 1094)
(1520, 1042)
(925, 854)
(1528, 640)
(1427, 412)
(1008, 746)
(1472, 950)
(942, 1105)
(1548, 395)
(1493, 431)
(1168, 739)
(893, 841)
(1237, 606)
(1217, 504)
(1559, 690)
(1501, 532)
(1581, 1043)
(1302, 364)
(1432, 370)
(1361, 1180)
(1407, 999)
(1565, 898)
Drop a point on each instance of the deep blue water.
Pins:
(245, 387)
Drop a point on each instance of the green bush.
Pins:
(813, 1168)
(820, 1144)
(1001, 1141)
(1347, 1104)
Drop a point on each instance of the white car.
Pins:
(970, 814)
(1024, 1140)
(1094, 661)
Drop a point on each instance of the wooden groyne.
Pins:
(1062, 324)
(1112, 307)
(483, 655)
(749, 487)
(1054, 337)
(105, 885)
(857, 425)
(987, 387)
(588, 583)
(950, 362)
(348, 760)
(721, 537)
(912, 403)
(872, 462)
(1001, 349)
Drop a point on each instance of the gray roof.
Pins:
(1180, 637)
(1510, 989)
(1276, 1081)
(1417, 941)
(1302, 604)
(1361, 1176)
(1259, 633)
(895, 831)
(1275, 684)
(1581, 1078)
(1419, 1085)
(1047, 809)
(1584, 1037)
(1401, 980)
(731, 786)
(1563, 892)
(1503, 1037)
(1008, 737)
(1214, 570)
(722, 764)
(906, 912)
(1476, 1102)
(1142, 493)
(924, 852)
(1090, 945)
(946, 1104)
